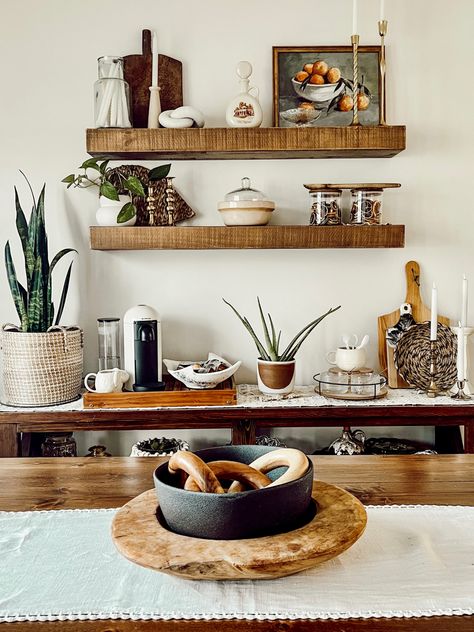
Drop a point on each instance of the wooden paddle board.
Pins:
(137, 73)
(420, 312)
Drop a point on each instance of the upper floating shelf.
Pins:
(383, 141)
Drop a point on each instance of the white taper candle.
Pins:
(382, 10)
(154, 61)
(460, 358)
(354, 17)
(464, 302)
(434, 313)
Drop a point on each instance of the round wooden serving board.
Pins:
(339, 522)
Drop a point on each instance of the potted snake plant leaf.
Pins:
(275, 367)
(42, 360)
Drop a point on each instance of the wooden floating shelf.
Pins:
(245, 237)
(382, 141)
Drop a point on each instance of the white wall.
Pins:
(49, 50)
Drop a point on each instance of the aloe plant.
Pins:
(34, 303)
(271, 350)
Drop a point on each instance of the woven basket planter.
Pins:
(41, 369)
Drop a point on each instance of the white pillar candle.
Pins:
(464, 302)
(434, 313)
(382, 10)
(460, 358)
(354, 17)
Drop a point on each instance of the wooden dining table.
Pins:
(81, 483)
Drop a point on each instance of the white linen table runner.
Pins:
(412, 561)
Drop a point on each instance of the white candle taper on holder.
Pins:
(434, 314)
(464, 302)
(154, 108)
(382, 10)
(460, 357)
(354, 17)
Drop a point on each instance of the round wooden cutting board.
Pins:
(340, 520)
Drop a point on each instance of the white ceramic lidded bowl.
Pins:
(246, 207)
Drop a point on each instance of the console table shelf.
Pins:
(383, 141)
(245, 237)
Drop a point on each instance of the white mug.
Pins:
(347, 359)
(107, 381)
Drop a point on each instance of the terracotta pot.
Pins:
(275, 378)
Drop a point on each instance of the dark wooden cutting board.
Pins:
(137, 73)
(420, 312)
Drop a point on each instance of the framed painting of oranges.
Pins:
(312, 86)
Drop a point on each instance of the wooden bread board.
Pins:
(137, 73)
(421, 313)
(175, 394)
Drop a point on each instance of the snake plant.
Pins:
(34, 303)
(271, 352)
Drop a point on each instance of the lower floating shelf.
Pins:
(245, 237)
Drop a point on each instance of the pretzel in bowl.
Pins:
(247, 476)
(295, 460)
(196, 469)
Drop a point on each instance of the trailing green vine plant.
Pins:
(96, 173)
(34, 303)
(271, 350)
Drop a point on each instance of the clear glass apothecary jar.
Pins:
(325, 207)
(366, 206)
(111, 94)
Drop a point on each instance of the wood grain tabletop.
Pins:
(32, 484)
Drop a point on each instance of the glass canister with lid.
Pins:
(325, 207)
(246, 206)
(366, 206)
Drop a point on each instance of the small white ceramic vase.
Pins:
(275, 378)
(108, 210)
(244, 110)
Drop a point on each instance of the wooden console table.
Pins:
(43, 484)
(303, 408)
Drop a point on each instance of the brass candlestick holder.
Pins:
(460, 393)
(170, 200)
(355, 88)
(433, 389)
(383, 26)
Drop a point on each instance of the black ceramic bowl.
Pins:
(239, 515)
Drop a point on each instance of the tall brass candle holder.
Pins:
(433, 389)
(383, 26)
(355, 88)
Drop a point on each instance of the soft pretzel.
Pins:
(230, 471)
(195, 467)
(295, 460)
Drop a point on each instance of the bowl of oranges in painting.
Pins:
(323, 86)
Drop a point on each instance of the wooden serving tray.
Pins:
(339, 522)
(175, 394)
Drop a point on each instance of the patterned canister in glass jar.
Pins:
(366, 206)
(325, 207)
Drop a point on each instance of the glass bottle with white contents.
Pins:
(244, 110)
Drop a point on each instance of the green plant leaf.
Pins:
(69, 179)
(49, 290)
(103, 166)
(134, 185)
(35, 298)
(261, 349)
(108, 190)
(127, 211)
(17, 291)
(266, 333)
(291, 350)
(91, 163)
(158, 173)
(64, 292)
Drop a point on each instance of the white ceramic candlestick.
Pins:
(463, 371)
(154, 108)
